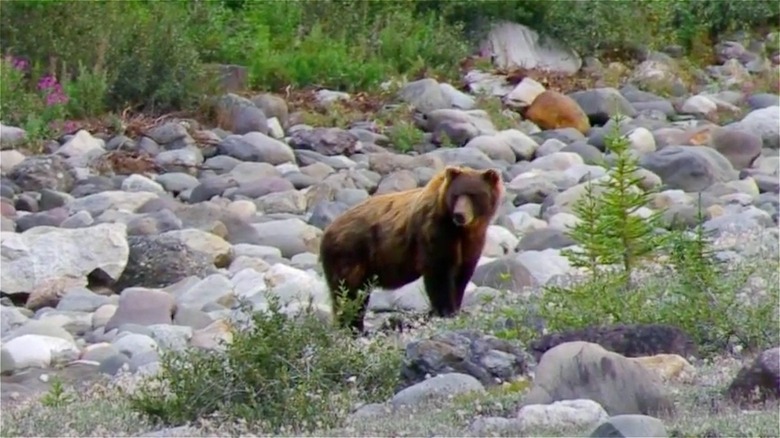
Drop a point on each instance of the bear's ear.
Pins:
(492, 176)
(452, 172)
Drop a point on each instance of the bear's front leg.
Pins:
(462, 277)
(440, 286)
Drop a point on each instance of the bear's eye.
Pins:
(481, 202)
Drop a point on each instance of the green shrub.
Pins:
(611, 231)
(687, 287)
(502, 118)
(87, 93)
(151, 52)
(17, 100)
(225, 36)
(143, 47)
(279, 373)
(58, 395)
(592, 26)
(689, 20)
(349, 56)
(161, 71)
(31, 99)
(404, 135)
(716, 302)
(316, 59)
(35, 30)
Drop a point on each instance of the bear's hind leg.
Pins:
(352, 310)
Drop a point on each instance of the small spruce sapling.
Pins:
(613, 239)
(611, 231)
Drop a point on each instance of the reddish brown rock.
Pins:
(553, 110)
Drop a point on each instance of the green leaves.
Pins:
(611, 230)
(279, 372)
(638, 273)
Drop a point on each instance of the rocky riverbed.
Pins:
(117, 247)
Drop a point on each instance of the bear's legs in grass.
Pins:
(357, 300)
(445, 284)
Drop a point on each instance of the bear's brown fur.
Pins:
(436, 231)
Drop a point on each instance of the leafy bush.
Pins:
(162, 71)
(689, 288)
(35, 101)
(87, 93)
(143, 47)
(612, 231)
(150, 54)
(278, 373)
(352, 50)
(592, 26)
(404, 135)
(689, 20)
(17, 101)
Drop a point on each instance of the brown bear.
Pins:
(436, 231)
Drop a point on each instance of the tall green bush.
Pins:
(161, 71)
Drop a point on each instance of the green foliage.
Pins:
(690, 19)
(689, 288)
(611, 231)
(278, 373)
(57, 396)
(515, 324)
(160, 72)
(26, 104)
(710, 298)
(384, 37)
(141, 50)
(150, 55)
(17, 102)
(349, 308)
(404, 135)
(352, 46)
(87, 93)
(502, 118)
(592, 26)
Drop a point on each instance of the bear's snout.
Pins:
(459, 219)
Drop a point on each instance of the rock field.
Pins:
(115, 248)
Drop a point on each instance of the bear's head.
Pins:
(472, 196)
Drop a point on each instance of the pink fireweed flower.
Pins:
(47, 82)
(71, 126)
(20, 64)
(53, 89)
(55, 98)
